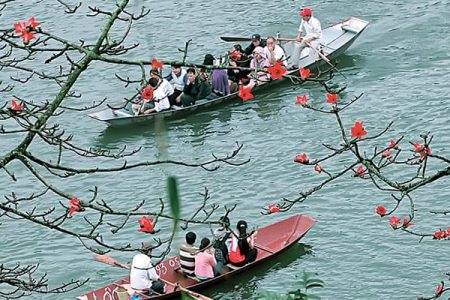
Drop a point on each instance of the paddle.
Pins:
(111, 261)
(246, 38)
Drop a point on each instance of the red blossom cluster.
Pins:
(147, 93)
(305, 73)
(302, 100)
(277, 71)
(156, 64)
(441, 234)
(393, 221)
(332, 98)
(273, 208)
(146, 225)
(302, 158)
(25, 30)
(424, 150)
(74, 206)
(15, 106)
(245, 93)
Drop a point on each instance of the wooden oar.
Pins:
(111, 261)
(246, 38)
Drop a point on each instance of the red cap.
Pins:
(306, 12)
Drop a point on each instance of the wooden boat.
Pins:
(270, 242)
(335, 40)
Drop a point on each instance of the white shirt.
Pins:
(311, 28)
(142, 272)
(279, 54)
(161, 93)
(178, 82)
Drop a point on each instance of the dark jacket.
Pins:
(251, 47)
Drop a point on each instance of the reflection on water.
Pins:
(246, 284)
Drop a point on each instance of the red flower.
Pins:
(305, 73)
(20, 27)
(15, 106)
(27, 36)
(156, 64)
(394, 222)
(407, 223)
(381, 210)
(439, 289)
(235, 55)
(302, 158)
(386, 153)
(245, 93)
(358, 130)
(147, 93)
(418, 147)
(359, 172)
(318, 168)
(440, 234)
(301, 100)
(423, 150)
(277, 71)
(393, 145)
(273, 208)
(74, 206)
(146, 225)
(32, 23)
(332, 98)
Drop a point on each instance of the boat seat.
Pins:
(349, 29)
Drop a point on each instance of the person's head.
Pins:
(190, 238)
(270, 41)
(258, 53)
(204, 243)
(238, 47)
(242, 227)
(154, 81)
(209, 60)
(224, 221)
(147, 248)
(191, 74)
(306, 14)
(256, 39)
(155, 73)
(176, 69)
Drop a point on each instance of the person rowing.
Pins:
(311, 37)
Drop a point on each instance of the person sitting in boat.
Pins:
(256, 42)
(237, 58)
(187, 254)
(222, 240)
(178, 79)
(313, 32)
(259, 61)
(196, 88)
(274, 52)
(161, 92)
(205, 261)
(143, 276)
(242, 249)
(218, 77)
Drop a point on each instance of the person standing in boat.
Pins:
(205, 261)
(187, 254)
(242, 249)
(256, 42)
(308, 35)
(143, 276)
(196, 88)
(178, 79)
(274, 52)
(161, 92)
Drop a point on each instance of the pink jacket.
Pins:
(204, 264)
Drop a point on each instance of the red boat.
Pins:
(270, 241)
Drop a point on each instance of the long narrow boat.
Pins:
(270, 242)
(335, 40)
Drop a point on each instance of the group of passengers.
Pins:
(183, 87)
(211, 259)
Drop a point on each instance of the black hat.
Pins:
(256, 37)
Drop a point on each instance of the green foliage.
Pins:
(173, 198)
(307, 281)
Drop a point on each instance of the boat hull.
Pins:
(270, 242)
